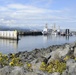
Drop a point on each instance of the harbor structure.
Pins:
(29, 33)
(67, 31)
(52, 31)
(45, 30)
(9, 35)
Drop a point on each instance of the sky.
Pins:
(36, 13)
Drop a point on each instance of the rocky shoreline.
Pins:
(31, 61)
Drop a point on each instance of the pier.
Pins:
(30, 33)
(13, 35)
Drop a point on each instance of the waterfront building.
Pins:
(9, 35)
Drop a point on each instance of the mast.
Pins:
(46, 26)
(54, 27)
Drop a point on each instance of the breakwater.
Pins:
(30, 33)
(39, 61)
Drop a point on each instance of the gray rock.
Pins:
(70, 62)
(72, 44)
(36, 66)
(33, 73)
(72, 69)
(65, 72)
(60, 52)
(55, 73)
(5, 71)
(18, 71)
(75, 51)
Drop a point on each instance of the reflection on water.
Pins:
(54, 38)
(47, 37)
(67, 37)
(14, 43)
(6, 43)
(31, 42)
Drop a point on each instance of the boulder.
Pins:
(18, 71)
(75, 51)
(65, 72)
(70, 62)
(5, 71)
(61, 52)
(35, 65)
(72, 69)
(55, 73)
(72, 44)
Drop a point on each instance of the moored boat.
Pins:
(45, 30)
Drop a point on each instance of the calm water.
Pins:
(31, 42)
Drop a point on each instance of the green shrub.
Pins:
(3, 60)
(29, 66)
(53, 66)
(14, 61)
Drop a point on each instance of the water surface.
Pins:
(28, 43)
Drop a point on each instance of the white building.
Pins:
(9, 34)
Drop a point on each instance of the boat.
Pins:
(45, 30)
(53, 31)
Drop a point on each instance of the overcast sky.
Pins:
(36, 13)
